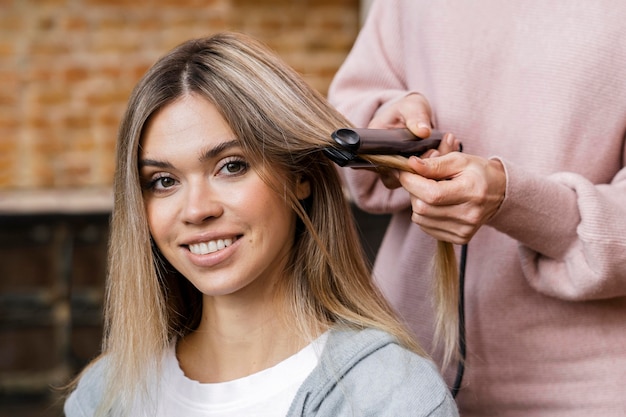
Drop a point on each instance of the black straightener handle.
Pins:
(353, 142)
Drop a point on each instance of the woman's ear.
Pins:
(303, 188)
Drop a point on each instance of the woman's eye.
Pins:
(234, 167)
(165, 182)
(160, 183)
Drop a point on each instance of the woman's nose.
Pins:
(201, 203)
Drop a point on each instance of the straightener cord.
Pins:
(462, 343)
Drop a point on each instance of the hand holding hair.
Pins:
(454, 195)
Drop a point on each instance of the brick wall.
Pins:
(67, 68)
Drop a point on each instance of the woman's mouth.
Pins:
(203, 248)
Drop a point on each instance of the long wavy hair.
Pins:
(282, 124)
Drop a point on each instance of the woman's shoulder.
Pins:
(85, 398)
(94, 381)
(371, 351)
(367, 371)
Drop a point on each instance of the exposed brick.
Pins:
(6, 178)
(49, 3)
(49, 47)
(109, 71)
(10, 22)
(108, 93)
(108, 117)
(8, 157)
(47, 143)
(7, 49)
(9, 98)
(72, 23)
(35, 73)
(194, 4)
(67, 69)
(53, 95)
(77, 120)
(75, 74)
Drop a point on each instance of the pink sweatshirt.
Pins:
(540, 84)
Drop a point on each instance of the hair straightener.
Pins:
(354, 142)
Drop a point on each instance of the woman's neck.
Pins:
(234, 341)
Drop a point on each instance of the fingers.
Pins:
(456, 222)
(417, 115)
(452, 232)
(419, 125)
(411, 112)
(434, 192)
(449, 143)
(445, 166)
(454, 195)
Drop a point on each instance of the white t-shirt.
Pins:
(263, 394)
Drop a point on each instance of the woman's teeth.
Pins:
(209, 247)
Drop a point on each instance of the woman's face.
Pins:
(209, 212)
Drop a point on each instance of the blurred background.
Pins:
(66, 70)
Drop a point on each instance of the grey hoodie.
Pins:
(361, 374)
(366, 373)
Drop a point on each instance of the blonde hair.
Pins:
(446, 279)
(282, 124)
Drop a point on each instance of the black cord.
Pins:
(462, 346)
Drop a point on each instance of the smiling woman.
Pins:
(236, 284)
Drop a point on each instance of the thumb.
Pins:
(419, 126)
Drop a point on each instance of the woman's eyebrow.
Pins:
(154, 163)
(217, 149)
(204, 155)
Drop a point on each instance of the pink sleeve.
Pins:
(572, 233)
(372, 73)
(370, 77)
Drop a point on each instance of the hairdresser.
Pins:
(536, 92)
